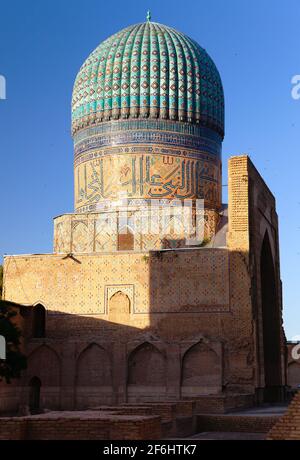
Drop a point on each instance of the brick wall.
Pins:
(236, 423)
(177, 418)
(238, 204)
(288, 426)
(107, 427)
(199, 305)
(147, 421)
(12, 429)
(222, 404)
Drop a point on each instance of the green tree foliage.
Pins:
(15, 360)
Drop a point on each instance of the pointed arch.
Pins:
(39, 321)
(49, 374)
(119, 307)
(270, 321)
(93, 377)
(93, 367)
(200, 370)
(44, 364)
(146, 373)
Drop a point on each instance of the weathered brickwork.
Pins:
(122, 314)
(288, 426)
(165, 325)
(146, 421)
(253, 236)
(222, 404)
(81, 426)
(238, 196)
(236, 423)
(145, 278)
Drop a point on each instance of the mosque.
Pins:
(187, 307)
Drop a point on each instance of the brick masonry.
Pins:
(82, 426)
(235, 423)
(288, 426)
(165, 325)
(145, 421)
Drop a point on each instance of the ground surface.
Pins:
(218, 436)
(262, 411)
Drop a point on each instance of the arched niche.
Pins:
(119, 308)
(39, 321)
(93, 377)
(44, 363)
(146, 374)
(201, 371)
(271, 324)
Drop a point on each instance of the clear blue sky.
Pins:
(255, 44)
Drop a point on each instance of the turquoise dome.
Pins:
(148, 70)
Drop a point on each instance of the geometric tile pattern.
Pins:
(186, 281)
(99, 232)
(148, 70)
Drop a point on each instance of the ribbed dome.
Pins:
(148, 70)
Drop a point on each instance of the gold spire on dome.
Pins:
(148, 16)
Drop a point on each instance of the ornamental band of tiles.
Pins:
(124, 326)
(148, 124)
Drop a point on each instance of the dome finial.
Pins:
(148, 16)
